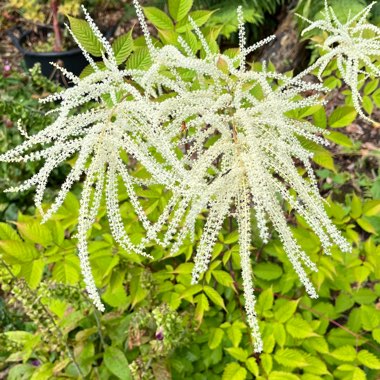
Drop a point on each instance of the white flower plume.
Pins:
(355, 45)
(222, 142)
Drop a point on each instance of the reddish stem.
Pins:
(57, 30)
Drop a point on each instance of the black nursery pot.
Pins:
(72, 60)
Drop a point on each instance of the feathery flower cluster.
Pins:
(355, 45)
(222, 142)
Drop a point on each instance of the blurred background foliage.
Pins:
(157, 325)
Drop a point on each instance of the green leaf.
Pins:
(172, 299)
(234, 334)
(86, 37)
(364, 296)
(178, 9)
(193, 289)
(316, 366)
(32, 272)
(252, 366)
(233, 371)
(122, 47)
(117, 363)
(214, 296)
(285, 311)
(356, 207)
(281, 375)
(199, 17)
(367, 104)
(223, 277)
(67, 271)
(344, 354)
(318, 344)
(368, 359)
(339, 138)
(376, 97)
(184, 268)
(324, 158)
(366, 225)
(202, 306)
(371, 86)
(17, 252)
(376, 335)
(342, 116)
(89, 70)
(232, 237)
(266, 362)
(370, 317)
(139, 60)
(158, 18)
(36, 233)
(267, 271)
(291, 358)
(238, 353)
(8, 233)
(265, 300)
(299, 328)
(168, 37)
(279, 334)
(215, 338)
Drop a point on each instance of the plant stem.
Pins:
(54, 4)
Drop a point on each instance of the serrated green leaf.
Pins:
(178, 9)
(223, 278)
(86, 37)
(339, 138)
(199, 17)
(122, 47)
(368, 359)
(35, 232)
(344, 354)
(234, 334)
(202, 306)
(214, 296)
(265, 300)
(281, 375)
(342, 116)
(285, 311)
(8, 233)
(266, 362)
(267, 271)
(158, 18)
(32, 272)
(299, 328)
(193, 289)
(291, 358)
(233, 371)
(279, 334)
(376, 335)
(215, 338)
(252, 366)
(356, 207)
(139, 60)
(238, 353)
(17, 252)
(371, 86)
(324, 158)
(66, 271)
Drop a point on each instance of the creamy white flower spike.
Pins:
(352, 50)
(223, 141)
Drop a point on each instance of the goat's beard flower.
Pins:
(225, 141)
(354, 44)
(239, 151)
